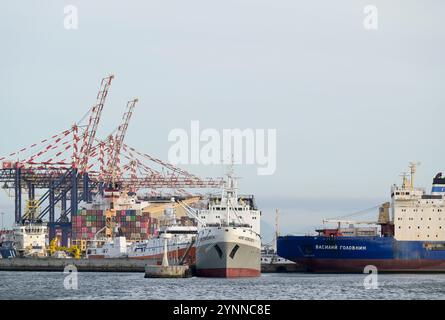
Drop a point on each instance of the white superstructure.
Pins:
(115, 199)
(30, 239)
(229, 241)
(417, 215)
(112, 248)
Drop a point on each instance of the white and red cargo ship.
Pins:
(180, 244)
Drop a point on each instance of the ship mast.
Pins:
(413, 167)
(230, 192)
(277, 229)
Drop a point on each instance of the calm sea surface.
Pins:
(49, 285)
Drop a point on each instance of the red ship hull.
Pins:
(382, 265)
(228, 272)
(177, 254)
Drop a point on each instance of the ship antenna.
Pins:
(404, 176)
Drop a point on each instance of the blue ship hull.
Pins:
(353, 254)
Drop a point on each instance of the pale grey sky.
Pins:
(351, 107)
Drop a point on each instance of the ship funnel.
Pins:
(438, 185)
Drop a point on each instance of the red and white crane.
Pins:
(93, 123)
(114, 168)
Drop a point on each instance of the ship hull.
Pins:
(174, 255)
(7, 253)
(354, 254)
(228, 253)
(359, 265)
(228, 273)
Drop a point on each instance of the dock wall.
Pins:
(85, 265)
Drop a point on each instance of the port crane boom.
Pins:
(93, 123)
(118, 141)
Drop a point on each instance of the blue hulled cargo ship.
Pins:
(409, 236)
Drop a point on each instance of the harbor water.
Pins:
(133, 286)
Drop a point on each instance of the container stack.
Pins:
(87, 223)
(133, 223)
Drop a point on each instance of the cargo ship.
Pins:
(147, 242)
(180, 246)
(409, 236)
(229, 242)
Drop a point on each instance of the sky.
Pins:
(352, 107)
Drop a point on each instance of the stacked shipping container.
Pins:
(134, 224)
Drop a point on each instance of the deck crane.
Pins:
(93, 123)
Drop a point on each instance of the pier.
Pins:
(82, 265)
